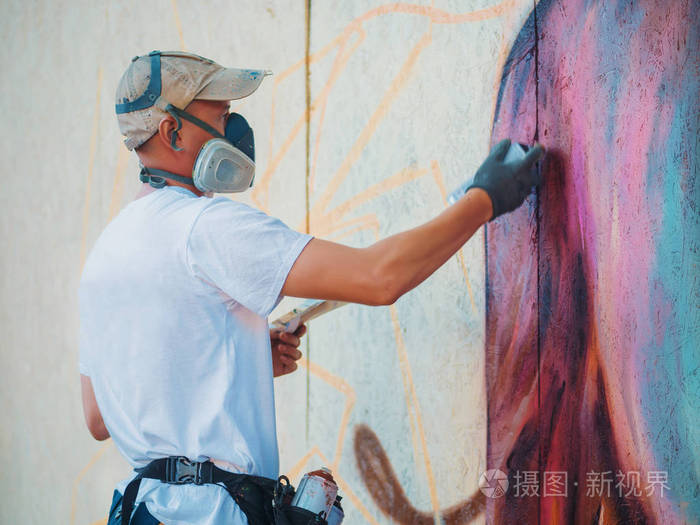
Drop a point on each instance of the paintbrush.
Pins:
(307, 310)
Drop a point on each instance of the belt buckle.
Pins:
(181, 470)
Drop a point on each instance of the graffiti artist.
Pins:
(176, 357)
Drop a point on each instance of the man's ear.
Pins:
(166, 129)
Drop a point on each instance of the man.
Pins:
(176, 357)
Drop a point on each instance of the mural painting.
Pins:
(592, 319)
(592, 324)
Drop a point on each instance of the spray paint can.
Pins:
(515, 152)
(336, 515)
(317, 492)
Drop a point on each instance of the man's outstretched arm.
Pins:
(384, 271)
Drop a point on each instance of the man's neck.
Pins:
(186, 186)
(147, 188)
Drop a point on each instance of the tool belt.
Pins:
(264, 501)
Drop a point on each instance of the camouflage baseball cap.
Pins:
(153, 81)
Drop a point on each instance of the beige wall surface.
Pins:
(399, 111)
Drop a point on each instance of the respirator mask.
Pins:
(224, 164)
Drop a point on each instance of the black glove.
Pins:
(507, 183)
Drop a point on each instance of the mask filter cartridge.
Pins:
(227, 165)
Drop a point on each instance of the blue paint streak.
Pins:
(672, 395)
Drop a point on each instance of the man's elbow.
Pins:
(386, 297)
(93, 417)
(387, 288)
(96, 426)
(98, 430)
(385, 274)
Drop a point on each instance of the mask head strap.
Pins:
(171, 109)
(156, 178)
(178, 113)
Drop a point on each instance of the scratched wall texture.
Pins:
(593, 322)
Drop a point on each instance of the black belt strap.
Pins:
(177, 470)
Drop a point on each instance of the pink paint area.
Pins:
(575, 276)
(612, 211)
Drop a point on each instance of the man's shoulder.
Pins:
(223, 208)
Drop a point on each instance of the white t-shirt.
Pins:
(174, 300)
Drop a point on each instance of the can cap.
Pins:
(323, 472)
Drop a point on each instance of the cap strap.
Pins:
(149, 97)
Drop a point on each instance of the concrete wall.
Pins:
(401, 100)
(400, 108)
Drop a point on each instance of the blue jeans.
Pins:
(141, 516)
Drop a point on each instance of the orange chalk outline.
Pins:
(178, 24)
(74, 491)
(364, 222)
(327, 222)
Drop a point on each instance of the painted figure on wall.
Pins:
(593, 329)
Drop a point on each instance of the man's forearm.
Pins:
(406, 259)
(385, 271)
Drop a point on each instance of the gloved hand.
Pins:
(507, 183)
